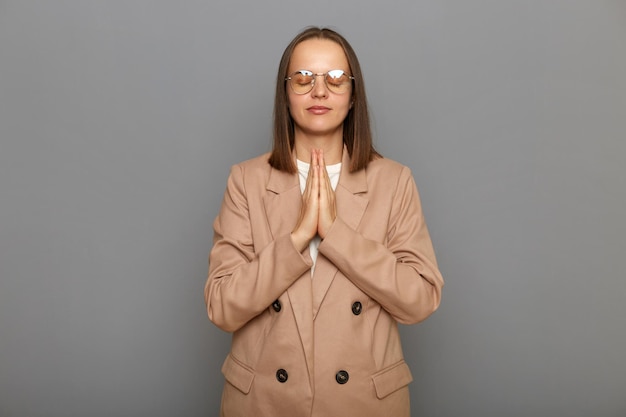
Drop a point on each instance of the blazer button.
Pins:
(277, 306)
(282, 376)
(357, 307)
(342, 377)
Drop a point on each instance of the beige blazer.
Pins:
(326, 345)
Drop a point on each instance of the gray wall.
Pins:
(119, 121)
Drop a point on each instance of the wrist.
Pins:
(300, 242)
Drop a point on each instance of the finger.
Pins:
(307, 225)
(316, 181)
(327, 210)
(325, 186)
(308, 187)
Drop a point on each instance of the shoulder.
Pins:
(257, 167)
(257, 175)
(258, 163)
(388, 180)
(386, 165)
(387, 171)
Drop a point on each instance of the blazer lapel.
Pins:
(283, 200)
(351, 200)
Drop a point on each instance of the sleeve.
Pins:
(401, 275)
(242, 283)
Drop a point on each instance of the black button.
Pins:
(357, 307)
(277, 306)
(282, 376)
(342, 377)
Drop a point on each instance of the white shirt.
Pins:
(333, 175)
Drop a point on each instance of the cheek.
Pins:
(348, 104)
(295, 104)
(292, 102)
(291, 107)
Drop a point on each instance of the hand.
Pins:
(318, 211)
(327, 204)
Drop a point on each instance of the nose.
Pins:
(319, 86)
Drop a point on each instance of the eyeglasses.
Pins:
(337, 81)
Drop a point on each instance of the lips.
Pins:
(318, 109)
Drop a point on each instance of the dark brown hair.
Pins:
(357, 134)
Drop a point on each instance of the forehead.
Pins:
(318, 55)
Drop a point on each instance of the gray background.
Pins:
(119, 121)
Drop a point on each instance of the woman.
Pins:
(320, 249)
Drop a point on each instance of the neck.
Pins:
(332, 147)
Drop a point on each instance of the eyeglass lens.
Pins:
(337, 81)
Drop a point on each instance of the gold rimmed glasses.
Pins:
(303, 81)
